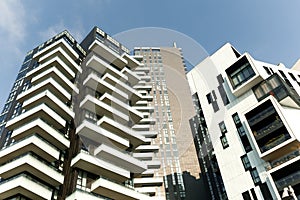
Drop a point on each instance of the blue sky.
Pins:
(269, 30)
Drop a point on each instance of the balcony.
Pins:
(90, 163)
(63, 55)
(120, 158)
(58, 44)
(33, 144)
(272, 127)
(32, 164)
(148, 181)
(132, 62)
(49, 84)
(151, 121)
(59, 77)
(153, 164)
(121, 130)
(143, 87)
(25, 185)
(276, 141)
(41, 111)
(143, 156)
(52, 101)
(242, 75)
(102, 67)
(134, 96)
(102, 109)
(292, 179)
(147, 148)
(40, 127)
(99, 135)
(54, 62)
(116, 191)
(147, 190)
(141, 127)
(80, 194)
(133, 79)
(285, 158)
(95, 82)
(142, 69)
(276, 87)
(261, 115)
(107, 53)
(135, 116)
(148, 134)
(147, 97)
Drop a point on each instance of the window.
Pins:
(224, 141)
(241, 75)
(241, 131)
(282, 74)
(222, 127)
(246, 162)
(246, 195)
(253, 194)
(267, 70)
(292, 76)
(255, 176)
(209, 98)
(236, 119)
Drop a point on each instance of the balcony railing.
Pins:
(274, 142)
(268, 129)
(3, 181)
(276, 87)
(291, 179)
(262, 115)
(285, 158)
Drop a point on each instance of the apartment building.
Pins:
(247, 125)
(173, 107)
(77, 124)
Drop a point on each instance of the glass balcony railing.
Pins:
(261, 115)
(3, 181)
(268, 129)
(274, 142)
(291, 179)
(285, 158)
(276, 87)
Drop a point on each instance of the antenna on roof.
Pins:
(174, 45)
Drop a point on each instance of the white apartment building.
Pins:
(252, 112)
(82, 129)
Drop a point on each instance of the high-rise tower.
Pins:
(173, 108)
(77, 124)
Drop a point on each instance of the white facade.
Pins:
(76, 136)
(229, 74)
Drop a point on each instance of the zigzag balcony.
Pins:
(25, 185)
(44, 130)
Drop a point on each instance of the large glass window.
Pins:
(224, 141)
(241, 75)
(246, 162)
(255, 176)
(223, 128)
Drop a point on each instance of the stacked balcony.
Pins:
(279, 89)
(268, 127)
(109, 109)
(31, 165)
(242, 75)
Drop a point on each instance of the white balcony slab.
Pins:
(33, 144)
(43, 129)
(97, 166)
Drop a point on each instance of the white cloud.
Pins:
(13, 25)
(12, 19)
(76, 32)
